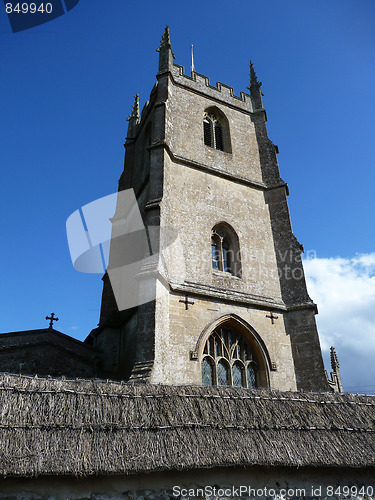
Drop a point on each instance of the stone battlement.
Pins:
(222, 92)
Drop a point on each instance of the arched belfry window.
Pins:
(225, 250)
(230, 359)
(216, 130)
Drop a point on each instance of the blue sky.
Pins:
(67, 88)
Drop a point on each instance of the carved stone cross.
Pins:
(186, 302)
(272, 317)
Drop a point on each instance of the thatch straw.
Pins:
(85, 427)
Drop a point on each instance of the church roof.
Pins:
(32, 337)
(47, 352)
(86, 427)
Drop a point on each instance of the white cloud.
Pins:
(344, 290)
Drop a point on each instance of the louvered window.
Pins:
(213, 132)
(207, 132)
(219, 137)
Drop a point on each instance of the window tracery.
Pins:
(213, 131)
(228, 359)
(216, 130)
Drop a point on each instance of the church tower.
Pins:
(230, 302)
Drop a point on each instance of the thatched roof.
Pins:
(83, 427)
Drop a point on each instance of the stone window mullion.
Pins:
(231, 362)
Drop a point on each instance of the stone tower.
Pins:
(231, 303)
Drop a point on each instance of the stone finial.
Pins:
(166, 55)
(165, 41)
(334, 381)
(253, 76)
(135, 109)
(255, 92)
(134, 119)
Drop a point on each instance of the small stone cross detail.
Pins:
(186, 302)
(272, 317)
(52, 319)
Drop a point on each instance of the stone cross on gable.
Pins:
(52, 319)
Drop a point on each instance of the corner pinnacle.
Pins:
(334, 360)
(135, 109)
(255, 92)
(133, 120)
(253, 77)
(166, 41)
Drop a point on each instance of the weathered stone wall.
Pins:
(184, 131)
(194, 202)
(178, 331)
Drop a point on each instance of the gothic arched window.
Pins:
(229, 359)
(216, 130)
(225, 250)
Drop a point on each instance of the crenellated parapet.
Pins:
(221, 92)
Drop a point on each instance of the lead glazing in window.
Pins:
(207, 372)
(238, 375)
(229, 360)
(251, 377)
(222, 372)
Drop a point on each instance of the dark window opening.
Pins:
(207, 132)
(219, 137)
(213, 132)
